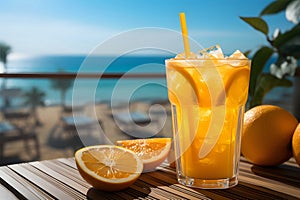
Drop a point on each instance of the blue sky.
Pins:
(43, 27)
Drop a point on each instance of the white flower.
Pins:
(285, 67)
(276, 33)
(276, 71)
(273, 69)
(293, 11)
(292, 65)
(288, 67)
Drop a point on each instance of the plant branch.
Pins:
(297, 73)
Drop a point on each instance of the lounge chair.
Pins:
(74, 119)
(69, 109)
(136, 124)
(11, 133)
(12, 110)
(19, 115)
(133, 117)
(77, 122)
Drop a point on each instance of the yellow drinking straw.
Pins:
(184, 35)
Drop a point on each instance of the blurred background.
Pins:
(49, 46)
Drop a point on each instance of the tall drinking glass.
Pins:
(207, 97)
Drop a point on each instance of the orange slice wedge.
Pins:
(236, 86)
(108, 167)
(193, 76)
(152, 151)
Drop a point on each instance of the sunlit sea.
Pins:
(100, 90)
(97, 90)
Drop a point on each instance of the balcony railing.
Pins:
(54, 136)
(81, 75)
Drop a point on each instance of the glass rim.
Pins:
(205, 59)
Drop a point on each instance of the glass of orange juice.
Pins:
(208, 93)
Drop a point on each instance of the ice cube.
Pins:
(237, 55)
(212, 52)
(181, 56)
(238, 59)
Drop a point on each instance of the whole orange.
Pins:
(267, 135)
(296, 144)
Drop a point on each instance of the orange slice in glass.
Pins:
(152, 151)
(236, 86)
(193, 77)
(108, 167)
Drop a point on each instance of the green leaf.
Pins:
(275, 7)
(291, 49)
(282, 39)
(267, 82)
(257, 23)
(259, 61)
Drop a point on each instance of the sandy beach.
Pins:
(57, 141)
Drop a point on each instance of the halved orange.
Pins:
(152, 151)
(108, 167)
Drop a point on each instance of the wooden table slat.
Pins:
(151, 193)
(287, 173)
(53, 180)
(195, 193)
(275, 185)
(158, 185)
(21, 187)
(68, 171)
(49, 187)
(182, 193)
(6, 194)
(271, 185)
(59, 179)
(68, 161)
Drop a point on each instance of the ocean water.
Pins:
(89, 90)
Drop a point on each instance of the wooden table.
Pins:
(59, 179)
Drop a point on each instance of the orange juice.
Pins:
(207, 98)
